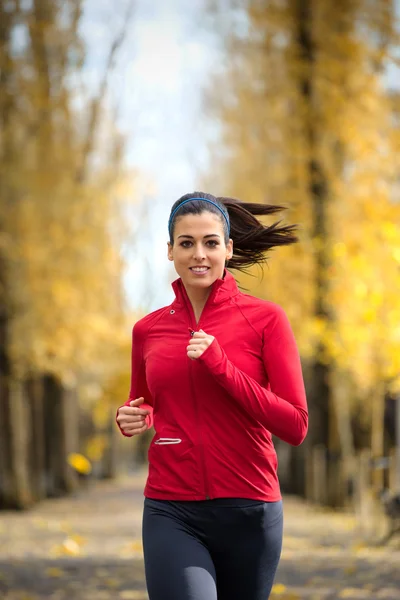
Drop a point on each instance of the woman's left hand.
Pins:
(199, 344)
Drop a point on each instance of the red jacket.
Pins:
(214, 416)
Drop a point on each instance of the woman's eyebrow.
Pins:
(206, 236)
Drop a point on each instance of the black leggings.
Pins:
(225, 549)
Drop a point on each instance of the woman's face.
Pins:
(199, 251)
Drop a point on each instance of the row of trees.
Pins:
(62, 214)
(309, 120)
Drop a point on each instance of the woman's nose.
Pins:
(199, 253)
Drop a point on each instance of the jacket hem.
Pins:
(173, 496)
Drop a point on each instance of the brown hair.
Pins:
(251, 239)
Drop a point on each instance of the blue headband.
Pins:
(204, 200)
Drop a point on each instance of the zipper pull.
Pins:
(191, 331)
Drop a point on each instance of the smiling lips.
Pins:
(199, 270)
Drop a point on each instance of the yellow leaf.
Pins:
(136, 546)
(78, 539)
(80, 463)
(339, 250)
(278, 588)
(358, 546)
(350, 570)
(96, 446)
(128, 549)
(353, 592)
(54, 572)
(69, 547)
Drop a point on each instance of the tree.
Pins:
(61, 270)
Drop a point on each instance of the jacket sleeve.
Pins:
(138, 377)
(282, 409)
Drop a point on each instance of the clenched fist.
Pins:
(131, 419)
(199, 344)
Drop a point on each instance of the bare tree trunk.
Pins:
(20, 436)
(34, 399)
(14, 467)
(60, 435)
(319, 391)
(5, 444)
(5, 112)
(70, 437)
(397, 454)
(110, 458)
(15, 480)
(378, 437)
(348, 467)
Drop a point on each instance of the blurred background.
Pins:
(111, 111)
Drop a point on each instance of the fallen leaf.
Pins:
(80, 463)
(357, 547)
(54, 572)
(350, 570)
(353, 593)
(278, 588)
(78, 539)
(136, 546)
(132, 547)
(111, 582)
(69, 547)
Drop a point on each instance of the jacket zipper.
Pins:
(197, 409)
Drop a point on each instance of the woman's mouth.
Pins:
(199, 270)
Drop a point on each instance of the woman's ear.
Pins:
(229, 250)
(170, 256)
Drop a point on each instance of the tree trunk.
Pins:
(70, 438)
(397, 469)
(34, 398)
(21, 491)
(110, 458)
(14, 468)
(319, 392)
(15, 480)
(5, 443)
(347, 468)
(378, 437)
(60, 436)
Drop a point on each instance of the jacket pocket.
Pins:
(172, 464)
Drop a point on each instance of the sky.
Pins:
(157, 89)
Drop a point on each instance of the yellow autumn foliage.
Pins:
(263, 155)
(64, 195)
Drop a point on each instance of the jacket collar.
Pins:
(222, 290)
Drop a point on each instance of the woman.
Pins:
(217, 372)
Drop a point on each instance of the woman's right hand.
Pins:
(131, 419)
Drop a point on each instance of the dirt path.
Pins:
(88, 547)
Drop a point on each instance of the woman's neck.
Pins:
(198, 298)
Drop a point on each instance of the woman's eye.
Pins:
(209, 243)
